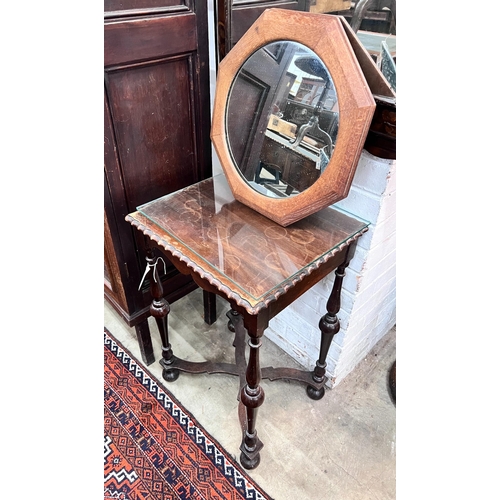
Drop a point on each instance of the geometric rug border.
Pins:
(214, 451)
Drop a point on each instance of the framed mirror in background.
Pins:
(291, 114)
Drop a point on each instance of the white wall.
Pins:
(368, 298)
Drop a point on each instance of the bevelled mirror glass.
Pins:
(292, 110)
(285, 143)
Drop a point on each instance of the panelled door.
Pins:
(157, 129)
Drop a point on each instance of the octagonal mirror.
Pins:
(292, 110)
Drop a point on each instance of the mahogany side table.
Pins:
(259, 267)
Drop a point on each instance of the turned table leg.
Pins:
(329, 325)
(252, 396)
(159, 309)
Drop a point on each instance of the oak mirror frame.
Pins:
(325, 36)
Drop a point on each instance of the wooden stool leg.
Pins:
(252, 396)
(329, 325)
(159, 309)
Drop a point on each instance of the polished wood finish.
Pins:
(260, 268)
(252, 396)
(326, 37)
(156, 136)
(329, 326)
(235, 17)
(226, 243)
(160, 309)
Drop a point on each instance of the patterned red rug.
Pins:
(153, 447)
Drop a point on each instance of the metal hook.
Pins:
(149, 266)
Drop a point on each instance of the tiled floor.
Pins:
(340, 447)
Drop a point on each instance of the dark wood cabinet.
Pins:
(234, 18)
(298, 167)
(156, 136)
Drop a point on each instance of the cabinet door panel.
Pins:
(142, 39)
(152, 111)
(234, 18)
(157, 127)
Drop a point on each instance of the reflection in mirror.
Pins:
(282, 119)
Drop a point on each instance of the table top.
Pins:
(245, 255)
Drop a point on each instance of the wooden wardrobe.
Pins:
(156, 136)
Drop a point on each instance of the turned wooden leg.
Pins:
(144, 339)
(252, 396)
(329, 325)
(159, 309)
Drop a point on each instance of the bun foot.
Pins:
(315, 393)
(249, 463)
(170, 375)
